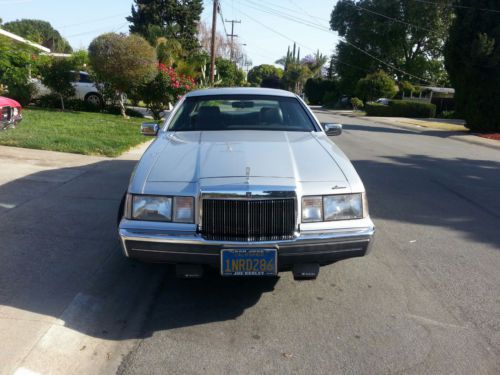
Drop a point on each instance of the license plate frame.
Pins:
(251, 258)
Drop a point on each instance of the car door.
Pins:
(83, 86)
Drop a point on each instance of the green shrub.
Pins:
(376, 85)
(330, 99)
(316, 88)
(54, 101)
(451, 115)
(401, 108)
(58, 75)
(377, 109)
(356, 103)
(22, 92)
(407, 108)
(77, 105)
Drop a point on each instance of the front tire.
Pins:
(94, 99)
(121, 209)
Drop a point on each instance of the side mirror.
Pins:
(150, 129)
(332, 129)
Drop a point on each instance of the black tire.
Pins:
(121, 209)
(94, 99)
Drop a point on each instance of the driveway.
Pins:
(66, 293)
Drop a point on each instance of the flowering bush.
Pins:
(167, 87)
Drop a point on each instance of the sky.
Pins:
(266, 34)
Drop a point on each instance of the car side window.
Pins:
(85, 78)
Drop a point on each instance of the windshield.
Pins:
(241, 112)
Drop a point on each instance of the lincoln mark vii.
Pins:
(246, 181)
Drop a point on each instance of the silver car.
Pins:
(244, 180)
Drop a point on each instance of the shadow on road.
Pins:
(185, 303)
(394, 130)
(61, 259)
(460, 194)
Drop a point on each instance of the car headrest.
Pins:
(269, 115)
(208, 118)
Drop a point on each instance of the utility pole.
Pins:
(232, 35)
(212, 47)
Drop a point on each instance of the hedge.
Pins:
(401, 108)
(377, 109)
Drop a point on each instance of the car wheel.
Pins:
(94, 99)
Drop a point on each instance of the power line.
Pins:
(262, 8)
(322, 28)
(298, 43)
(232, 35)
(282, 7)
(95, 30)
(276, 32)
(219, 10)
(391, 18)
(458, 6)
(302, 9)
(91, 21)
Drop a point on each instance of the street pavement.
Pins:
(425, 301)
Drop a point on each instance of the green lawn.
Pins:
(75, 132)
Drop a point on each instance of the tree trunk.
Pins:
(122, 106)
(62, 102)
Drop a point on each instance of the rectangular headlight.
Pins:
(312, 209)
(184, 209)
(343, 207)
(151, 208)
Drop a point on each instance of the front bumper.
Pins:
(323, 247)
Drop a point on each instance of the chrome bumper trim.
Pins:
(192, 238)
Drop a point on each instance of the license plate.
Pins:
(249, 262)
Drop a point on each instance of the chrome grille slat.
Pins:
(248, 220)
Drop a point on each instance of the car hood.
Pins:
(196, 156)
(4, 102)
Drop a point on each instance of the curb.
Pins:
(460, 136)
(479, 141)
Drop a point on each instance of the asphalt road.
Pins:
(426, 301)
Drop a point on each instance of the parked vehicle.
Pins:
(383, 101)
(247, 181)
(85, 89)
(11, 113)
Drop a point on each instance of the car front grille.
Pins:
(6, 114)
(248, 220)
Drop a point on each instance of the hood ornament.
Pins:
(248, 175)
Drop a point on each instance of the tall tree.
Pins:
(123, 62)
(41, 32)
(408, 35)
(58, 75)
(472, 57)
(172, 19)
(228, 74)
(315, 63)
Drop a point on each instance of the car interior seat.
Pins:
(209, 118)
(270, 115)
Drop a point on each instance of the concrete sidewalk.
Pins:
(68, 298)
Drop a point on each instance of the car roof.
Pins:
(240, 91)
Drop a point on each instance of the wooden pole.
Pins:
(212, 47)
